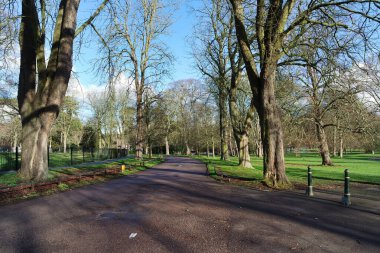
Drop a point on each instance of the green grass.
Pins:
(56, 159)
(12, 179)
(363, 168)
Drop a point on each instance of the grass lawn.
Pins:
(11, 179)
(56, 159)
(364, 168)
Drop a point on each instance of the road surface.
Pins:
(175, 207)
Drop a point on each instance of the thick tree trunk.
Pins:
(34, 143)
(39, 104)
(167, 147)
(323, 146)
(243, 147)
(341, 146)
(271, 131)
(188, 150)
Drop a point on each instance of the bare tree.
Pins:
(135, 48)
(40, 98)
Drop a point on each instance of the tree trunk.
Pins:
(167, 147)
(271, 131)
(15, 142)
(323, 146)
(64, 142)
(34, 163)
(213, 148)
(243, 147)
(39, 104)
(188, 150)
(259, 143)
(140, 123)
(334, 138)
(223, 125)
(207, 149)
(341, 146)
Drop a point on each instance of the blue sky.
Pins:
(177, 41)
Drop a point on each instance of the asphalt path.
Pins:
(175, 207)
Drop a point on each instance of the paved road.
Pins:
(176, 208)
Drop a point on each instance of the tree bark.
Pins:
(334, 138)
(167, 147)
(39, 105)
(323, 146)
(223, 125)
(188, 150)
(263, 87)
(341, 146)
(259, 143)
(64, 142)
(271, 131)
(140, 121)
(213, 148)
(244, 157)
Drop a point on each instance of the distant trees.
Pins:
(134, 47)
(219, 61)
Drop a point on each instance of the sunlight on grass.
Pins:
(11, 179)
(364, 168)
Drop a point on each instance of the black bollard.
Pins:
(309, 189)
(346, 200)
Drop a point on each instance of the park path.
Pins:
(175, 207)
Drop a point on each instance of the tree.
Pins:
(135, 48)
(65, 121)
(277, 27)
(212, 61)
(40, 98)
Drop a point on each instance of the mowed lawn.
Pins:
(56, 159)
(11, 179)
(364, 168)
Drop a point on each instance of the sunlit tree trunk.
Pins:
(271, 130)
(167, 147)
(323, 146)
(263, 87)
(223, 125)
(39, 104)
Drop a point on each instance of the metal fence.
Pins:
(12, 160)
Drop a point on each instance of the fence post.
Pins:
(309, 189)
(71, 155)
(346, 200)
(16, 158)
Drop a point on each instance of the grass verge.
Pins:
(364, 169)
(133, 165)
